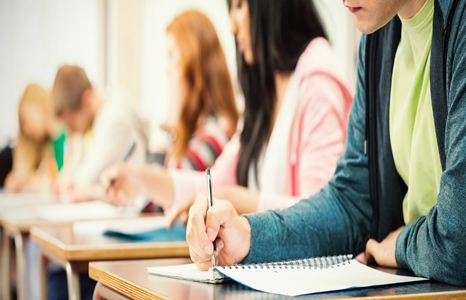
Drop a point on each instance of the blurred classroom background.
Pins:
(121, 44)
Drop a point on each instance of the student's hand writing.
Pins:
(384, 252)
(221, 223)
(123, 183)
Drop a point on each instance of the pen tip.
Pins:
(208, 171)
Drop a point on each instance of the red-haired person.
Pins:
(297, 102)
(202, 110)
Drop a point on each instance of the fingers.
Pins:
(184, 218)
(361, 257)
(172, 218)
(182, 213)
(221, 214)
(382, 253)
(372, 248)
(200, 244)
(109, 174)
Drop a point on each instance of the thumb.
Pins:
(372, 248)
(108, 175)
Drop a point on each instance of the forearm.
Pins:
(313, 227)
(244, 200)
(434, 246)
(159, 185)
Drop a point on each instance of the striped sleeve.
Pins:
(206, 145)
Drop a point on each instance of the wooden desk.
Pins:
(74, 252)
(17, 209)
(130, 280)
(16, 222)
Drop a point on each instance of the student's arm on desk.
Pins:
(125, 181)
(434, 246)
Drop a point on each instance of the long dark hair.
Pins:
(280, 32)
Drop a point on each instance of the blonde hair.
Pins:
(29, 153)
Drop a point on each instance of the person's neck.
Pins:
(411, 8)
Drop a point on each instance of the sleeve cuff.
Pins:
(261, 239)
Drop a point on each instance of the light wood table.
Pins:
(16, 222)
(17, 209)
(73, 252)
(129, 280)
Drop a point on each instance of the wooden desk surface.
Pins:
(21, 219)
(64, 242)
(10, 200)
(130, 278)
(19, 208)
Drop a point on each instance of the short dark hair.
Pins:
(280, 32)
(70, 84)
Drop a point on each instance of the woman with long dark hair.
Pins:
(296, 108)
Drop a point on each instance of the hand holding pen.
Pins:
(218, 226)
(122, 181)
(125, 159)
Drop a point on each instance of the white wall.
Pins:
(343, 35)
(120, 43)
(157, 16)
(147, 20)
(36, 37)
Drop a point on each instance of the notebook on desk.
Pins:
(292, 278)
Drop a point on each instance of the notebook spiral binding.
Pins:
(322, 262)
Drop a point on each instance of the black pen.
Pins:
(125, 158)
(210, 203)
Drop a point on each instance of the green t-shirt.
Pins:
(412, 128)
(58, 146)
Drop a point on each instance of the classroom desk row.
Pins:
(61, 244)
(119, 266)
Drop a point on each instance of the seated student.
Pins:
(202, 110)
(406, 190)
(110, 126)
(295, 119)
(39, 151)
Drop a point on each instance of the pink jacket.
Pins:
(316, 141)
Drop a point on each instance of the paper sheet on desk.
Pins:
(140, 229)
(82, 211)
(301, 281)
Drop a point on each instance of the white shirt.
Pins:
(116, 126)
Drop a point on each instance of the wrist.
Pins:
(246, 234)
(158, 184)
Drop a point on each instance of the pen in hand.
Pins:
(125, 158)
(210, 203)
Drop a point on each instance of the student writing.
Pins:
(411, 91)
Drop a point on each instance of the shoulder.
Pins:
(318, 68)
(214, 128)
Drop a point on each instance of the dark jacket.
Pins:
(340, 218)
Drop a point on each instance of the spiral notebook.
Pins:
(292, 278)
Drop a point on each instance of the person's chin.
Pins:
(248, 59)
(366, 27)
